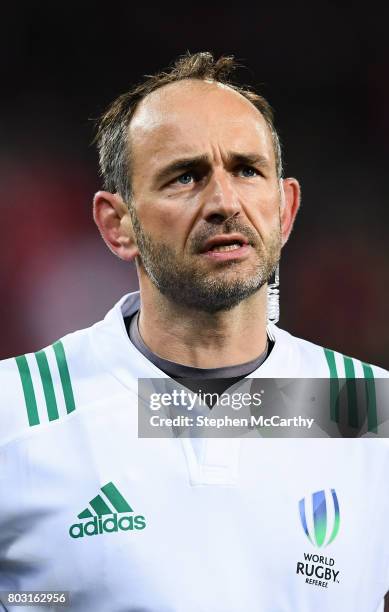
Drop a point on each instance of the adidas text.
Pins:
(99, 525)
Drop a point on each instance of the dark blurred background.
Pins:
(324, 69)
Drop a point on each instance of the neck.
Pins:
(200, 339)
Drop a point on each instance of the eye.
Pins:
(185, 179)
(248, 171)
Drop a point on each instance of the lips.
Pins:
(226, 242)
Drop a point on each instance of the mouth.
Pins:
(226, 242)
(225, 247)
(219, 248)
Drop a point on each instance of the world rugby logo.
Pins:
(320, 517)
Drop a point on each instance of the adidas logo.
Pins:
(105, 519)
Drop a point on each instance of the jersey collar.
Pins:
(117, 353)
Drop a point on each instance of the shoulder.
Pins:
(82, 371)
(76, 372)
(38, 388)
(311, 360)
(356, 394)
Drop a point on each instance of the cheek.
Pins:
(163, 221)
(264, 213)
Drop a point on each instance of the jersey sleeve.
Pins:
(35, 390)
(15, 418)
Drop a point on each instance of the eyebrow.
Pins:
(181, 165)
(200, 161)
(253, 159)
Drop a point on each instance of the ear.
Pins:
(113, 219)
(290, 203)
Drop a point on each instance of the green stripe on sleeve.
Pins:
(65, 377)
(353, 420)
(116, 498)
(99, 506)
(28, 390)
(47, 383)
(372, 423)
(334, 385)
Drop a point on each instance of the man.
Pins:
(194, 194)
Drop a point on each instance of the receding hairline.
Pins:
(190, 82)
(113, 130)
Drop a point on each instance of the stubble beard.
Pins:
(190, 286)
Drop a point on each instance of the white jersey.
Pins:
(129, 524)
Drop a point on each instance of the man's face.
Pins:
(206, 198)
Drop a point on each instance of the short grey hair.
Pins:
(112, 127)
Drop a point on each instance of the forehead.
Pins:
(189, 117)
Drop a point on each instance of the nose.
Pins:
(220, 201)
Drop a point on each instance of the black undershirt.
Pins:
(211, 380)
